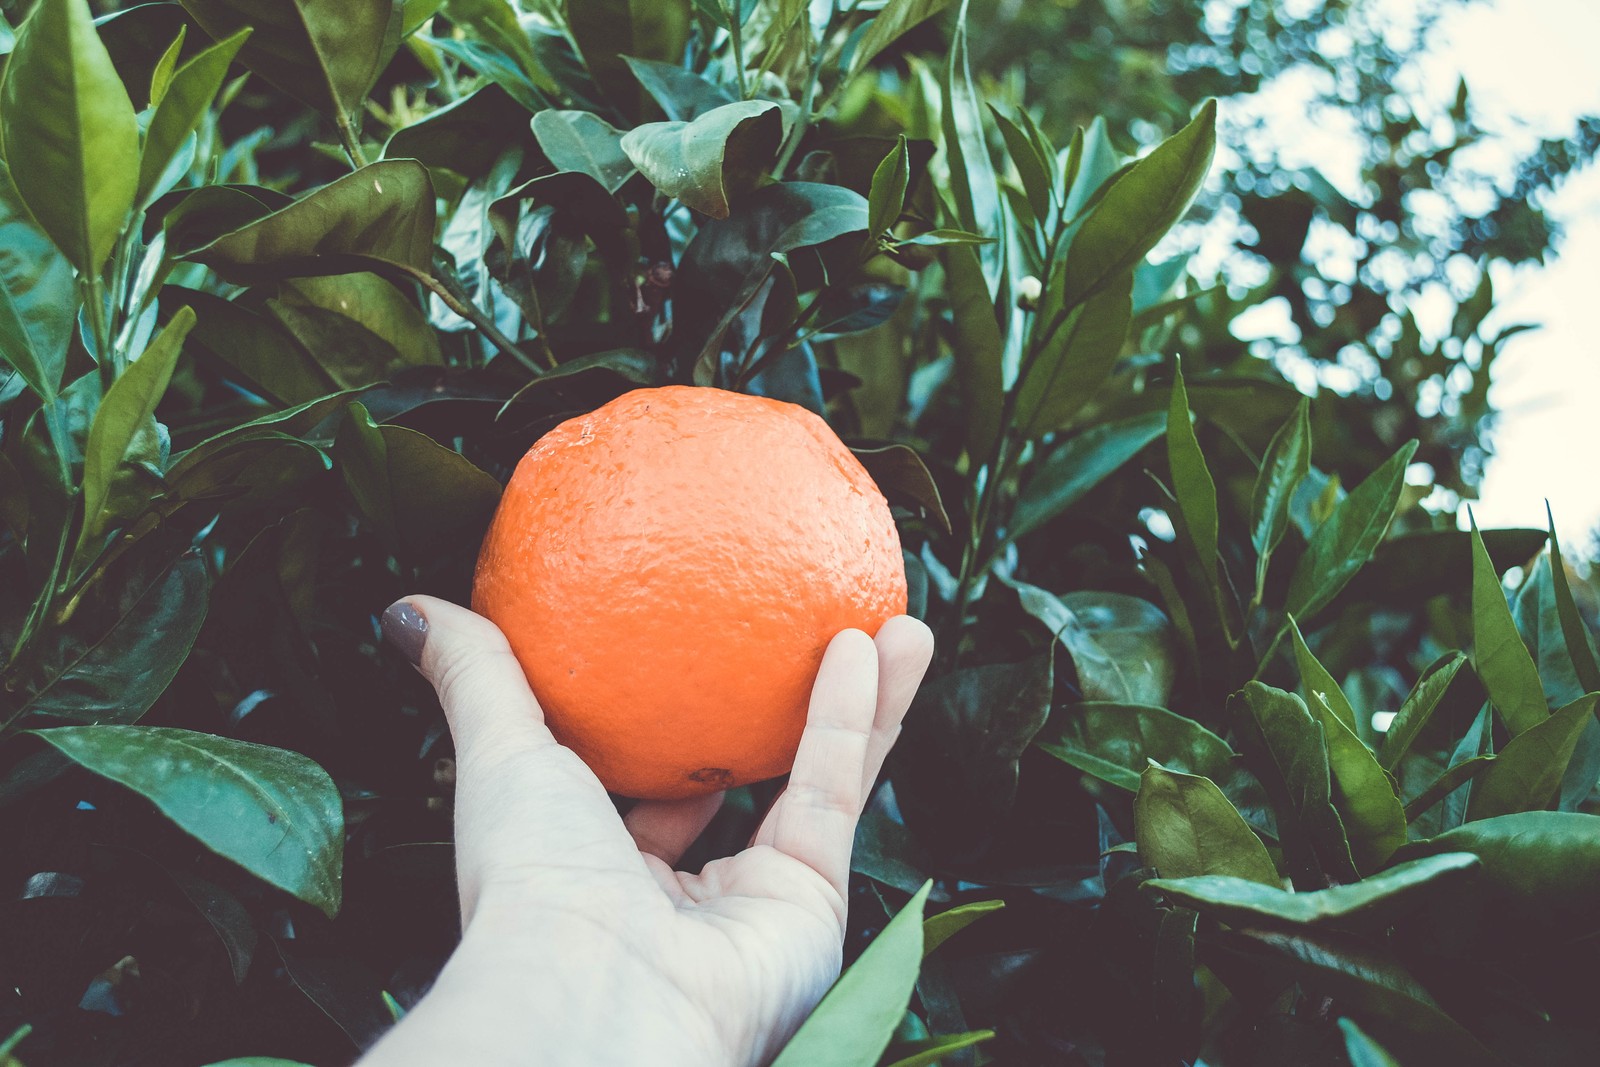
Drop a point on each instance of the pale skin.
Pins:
(582, 944)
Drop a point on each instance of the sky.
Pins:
(1531, 70)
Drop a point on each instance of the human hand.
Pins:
(581, 944)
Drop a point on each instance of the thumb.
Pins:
(481, 686)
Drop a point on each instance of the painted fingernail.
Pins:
(405, 628)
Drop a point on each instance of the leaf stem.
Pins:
(94, 303)
(473, 314)
(350, 137)
(736, 32)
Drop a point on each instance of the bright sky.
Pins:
(1531, 67)
(1531, 72)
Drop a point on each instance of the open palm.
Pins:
(612, 955)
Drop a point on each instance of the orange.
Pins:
(669, 569)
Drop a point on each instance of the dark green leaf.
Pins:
(38, 300)
(890, 24)
(252, 349)
(1186, 828)
(418, 493)
(956, 766)
(1454, 777)
(1079, 464)
(935, 238)
(1122, 647)
(116, 670)
(853, 1024)
(297, 421)
(1033, 167)
(937, 929)
(358, 327)
(467, 135)
(1376, 901)
(1347, 539)
(682, 94)
(580, 141)
(978, 348)
(227, 917)
(274, 813)
(259, 1061)
(888, 193)
(1538, 620)
(1362, 1050)
(1542, 866)
(1528, 771)
(1192, 486)
(69, 132)
(899, 470)
(1580, 645)
(1369, 982)
(710, 161)
(124, 413)
(1418, 707)
(384, 211)
(931, 1050)
(1116, 742)
(1140, 208)
(1290, 755)
(495, 23)
(1286, 462)
(192, 88)
(972, 180)
(609, 33)
(1071, 361)
(325, 53)
(1499, 656)
(1411, 567)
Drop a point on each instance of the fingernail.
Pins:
(406, 629)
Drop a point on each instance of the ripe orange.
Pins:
(669, 569)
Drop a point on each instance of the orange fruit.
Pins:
(669, 569)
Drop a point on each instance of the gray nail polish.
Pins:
(405, 628)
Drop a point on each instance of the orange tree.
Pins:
(288, 286)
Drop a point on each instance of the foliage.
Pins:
(272, 339)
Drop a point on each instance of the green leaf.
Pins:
(1411, 567)
(418, 493)
(1580, 646)
(1363, 793)
(978, 349)
(259, 1061)
(1376, 901)
(972, 181)
(931, 1050)
(900, 471)
(1418, 708)
(252, 349)
(69, 132)
(708, 162)
(937, 929)
(1347, 539)
(1289, 752)
(943, 236)
(161, 76)
(1528, 771)
(1033, 167)
(1362, 1050)
(1196, 493)
(113, 670)
(1116, 742)
(384, 211)
(467, 135)
(580, 141)
(1185, 827)
(325, 53)
(1315, 679)
(1074, 467)
(358, 328)
(888, 192)
(1138, 210)
(38, 299)
(853, 1024)
(682, 94)
(128, 408)
(273, 812)
(1454, 777)
(891, 23)
(1499, 656)
(1543, 867)
(189, 93)
(1122, 647)
(1285, 464)
(1070, 362)
(495, 23)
